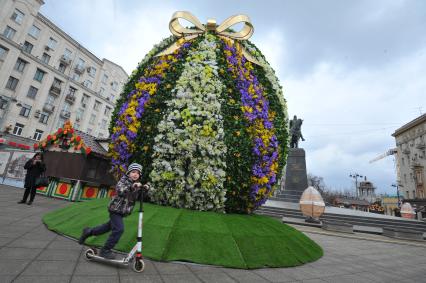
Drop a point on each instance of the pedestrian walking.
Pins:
(35, 168)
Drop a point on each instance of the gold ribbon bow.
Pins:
(181, 32)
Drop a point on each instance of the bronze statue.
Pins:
(296, 132)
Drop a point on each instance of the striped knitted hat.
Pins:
(134, 166)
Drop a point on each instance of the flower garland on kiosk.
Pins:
(64, 138)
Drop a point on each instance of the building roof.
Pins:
(92, 142)
(419, 120)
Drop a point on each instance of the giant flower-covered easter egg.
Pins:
(205, 116)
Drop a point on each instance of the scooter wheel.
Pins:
(89, 254)
(138, 265)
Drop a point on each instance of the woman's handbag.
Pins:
(41, 181)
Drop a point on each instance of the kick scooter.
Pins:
(138, 264)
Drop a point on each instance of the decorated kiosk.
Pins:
(77, 165)
(206, 117)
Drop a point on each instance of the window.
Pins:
(101, 91)
(62, 68)
(12, 83)
(112, 97)
(27, 47)
(67, 53)
(60, 123)
(76, 77)
(17, 16)
(100, 135)
(50, 99)
(18, 129)
(52, 43)
(34, 31)
(87, 83)
(57, 83)
(9, 32)
(71, 91)
(77, 126)
(103, 124)
(107, 111)
(37, 135)
(32, 92)
(97, 105)
(104, 79)
(25, 110)
(79, 115)
(45, 58)
(84, 100)
(3, 103)
(92, 119)
(92, 72)
(44, 117)
(89, 131)
(114, 86)
(66, 106)
(80, 63)
(20, 65)
(3, 52)
(39, 74)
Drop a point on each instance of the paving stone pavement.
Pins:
(31, 253)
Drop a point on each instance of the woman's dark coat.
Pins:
(33, 171)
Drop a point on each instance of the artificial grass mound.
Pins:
(230, 240)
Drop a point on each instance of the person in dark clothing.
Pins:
(35, 167)
(121, 205)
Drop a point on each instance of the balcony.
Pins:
(47, 107)
(421, 145)
(55, 89)
(65, 60)
(65, 114)
(406, 151)
(79, 69)
(70, 98)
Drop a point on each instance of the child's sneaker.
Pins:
(87, 232)
(108, 254)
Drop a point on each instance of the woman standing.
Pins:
(35, 167)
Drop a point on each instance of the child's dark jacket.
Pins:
(125, 198)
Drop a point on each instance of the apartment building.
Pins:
(47, 77)
(410, 141)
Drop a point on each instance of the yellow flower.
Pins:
(247, 109)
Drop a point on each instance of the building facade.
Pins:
(47, 77)
(410, 142)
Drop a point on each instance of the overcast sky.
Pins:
(354, 71)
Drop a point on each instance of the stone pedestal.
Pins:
(296, 180)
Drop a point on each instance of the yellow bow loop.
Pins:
(180, 31)
(245, 33)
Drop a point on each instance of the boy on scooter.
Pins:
(121, 205)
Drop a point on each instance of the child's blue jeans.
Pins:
(115, 224)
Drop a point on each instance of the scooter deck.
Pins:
(93, 254)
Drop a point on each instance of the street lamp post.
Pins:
(355, 176)
(397, 193)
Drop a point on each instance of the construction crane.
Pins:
(392, 151)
